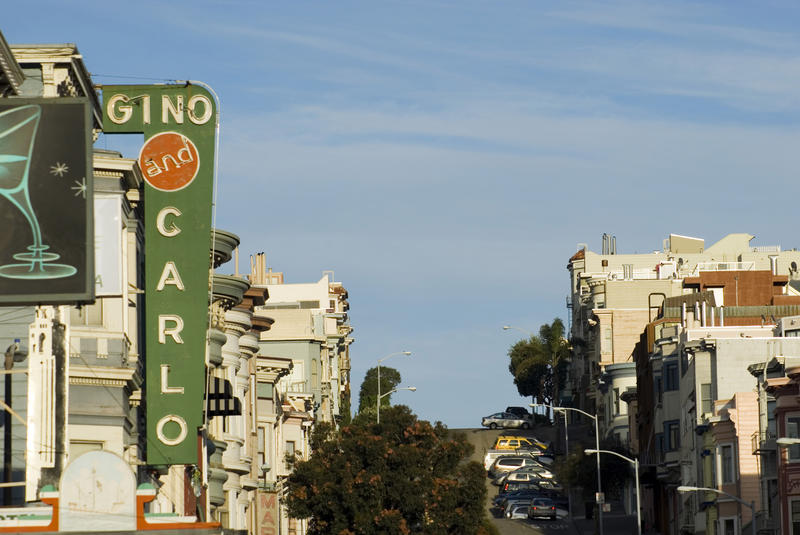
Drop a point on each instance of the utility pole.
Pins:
(7, 436)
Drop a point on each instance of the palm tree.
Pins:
(536, 363)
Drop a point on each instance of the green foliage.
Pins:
(345, 406)
(580, 470)
(539, 364)
(390, 378)
(400, 477)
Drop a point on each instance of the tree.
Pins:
(539, 363)
(580, 470)
(398, 477)
(368, 395)
(344, 406)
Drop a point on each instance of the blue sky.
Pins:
(444, 159)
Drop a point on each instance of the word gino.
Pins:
(198, 108)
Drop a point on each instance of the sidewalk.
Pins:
(613, 524)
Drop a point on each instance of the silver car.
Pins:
(542, 508)
(505, 420)
(517, 512)
(508, 464)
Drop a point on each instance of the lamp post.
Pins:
(379, 379)
(597, 444)
(389, 393)
(751, 505)
(635, 463)
(507, 327)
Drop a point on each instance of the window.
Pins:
(79, 447)
(795, 517)
(607, 342)
(771, 425)
(616, 401)
(88, 314)
(261, 440)
(793, 431)
(671, 376)
(728, 526)
(290, 447)
(705, 398)
(727, 467)
(672, 435)
(659, 389)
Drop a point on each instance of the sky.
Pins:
(446, 158)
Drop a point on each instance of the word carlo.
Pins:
(198, 108)
(169, 324)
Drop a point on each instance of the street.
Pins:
(482, 440)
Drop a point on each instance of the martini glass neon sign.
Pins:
(17, 138)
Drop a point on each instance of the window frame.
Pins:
(793, 451)
(669, 426)
(706, 403)
(721, 472)
(722, 521)
(792, 500)
(671, 377)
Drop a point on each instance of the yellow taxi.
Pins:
(512, 442)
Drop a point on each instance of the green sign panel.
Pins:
(177, 161)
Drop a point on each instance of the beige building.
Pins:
(614, 296)
(302, 377)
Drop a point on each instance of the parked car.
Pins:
(519, 411)
(505, 420)
(526, 473)
(509, 463)
(518, 512)
(503, 478)
(522, 493)
(514, 486)
(514, 442)
(520, 497)
(492, 455)
(542, 508)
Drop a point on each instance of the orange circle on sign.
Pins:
(169, 161)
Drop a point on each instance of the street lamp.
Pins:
(379, 378)
(507, 327)
(635, 463)
(389, 393)
(751, 505)
(597, 444)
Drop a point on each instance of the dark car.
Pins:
(524, 493)
(515, 486)
(520, 495)
(519, 411)
(560, 500)
(542, 508)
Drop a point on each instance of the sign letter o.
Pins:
(192, 108)
(160, 429)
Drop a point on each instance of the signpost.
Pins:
(177, 161)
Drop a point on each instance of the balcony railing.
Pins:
(762, 441)
(723, 266)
